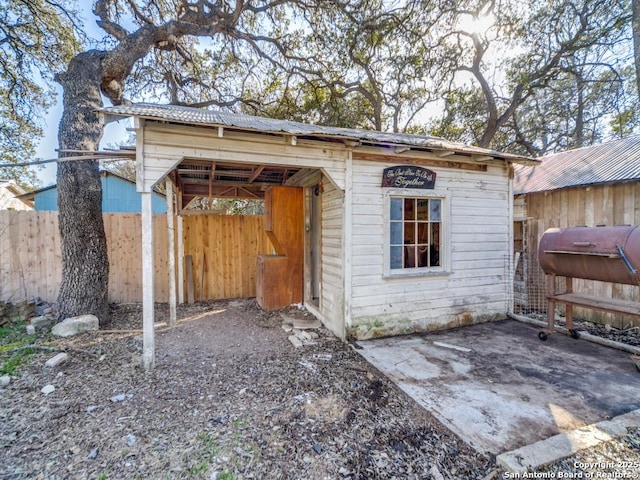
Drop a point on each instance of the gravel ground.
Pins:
(231, 398)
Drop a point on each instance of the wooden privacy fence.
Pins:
(617, 204)
(223, 250)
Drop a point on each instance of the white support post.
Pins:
(510, 238)
(148, 333)
(172, 255)
(347, 242)
(180, 262)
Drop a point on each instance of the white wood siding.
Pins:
(332, 301)
(476, 286)
(164, 145)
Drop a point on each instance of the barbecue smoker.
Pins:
(607, 254)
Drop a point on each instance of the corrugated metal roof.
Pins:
(610, 162)
(197, 116)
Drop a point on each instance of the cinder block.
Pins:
(57, 360)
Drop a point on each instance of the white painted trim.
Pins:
(445, 267)
(171, 263)
(139, 129)
(511, 269)
(313, 310)
(180, 262)
(148, 334)
(347, 229)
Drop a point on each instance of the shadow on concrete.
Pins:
(499, 387)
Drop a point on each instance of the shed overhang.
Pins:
(209, 172)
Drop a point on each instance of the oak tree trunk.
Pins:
(85, 266)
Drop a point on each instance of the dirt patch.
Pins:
(230, 397)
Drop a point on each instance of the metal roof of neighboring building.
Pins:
(197, 116)
(611, 162)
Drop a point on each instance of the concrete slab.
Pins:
(500, 388)
(543, 452)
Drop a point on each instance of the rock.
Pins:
(41, 322)
(286, 320)
(75, 326)
(301, 324)
(435, 473)
(118, 398)
(93, 454)
(31, 330)
(5, 380)
(131, 439)
(302, 335)
(59, 359)
(47, 389)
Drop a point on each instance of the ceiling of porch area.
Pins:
(200, 178)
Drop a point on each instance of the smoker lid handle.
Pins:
(625, 259)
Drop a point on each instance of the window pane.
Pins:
(435, 210)
(423, 210)
(396, 209)
(435, 233)
(423, 233)
(409, 233)
(409, 211)
(434, 251)
(415, 233)
(396, 233)
(423, 255)
(396, 257)
(409, 257)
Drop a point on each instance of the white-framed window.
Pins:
(416, 234)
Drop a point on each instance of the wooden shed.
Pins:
(376, 233)
(590, 186)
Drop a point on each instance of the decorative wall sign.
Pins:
(408, 176)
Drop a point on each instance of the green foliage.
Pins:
(538, 77)
(463, 118)
(545, 76)
(625, 122)
(14, 349)
(229, 206)
(36, 40)
(206, 454)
